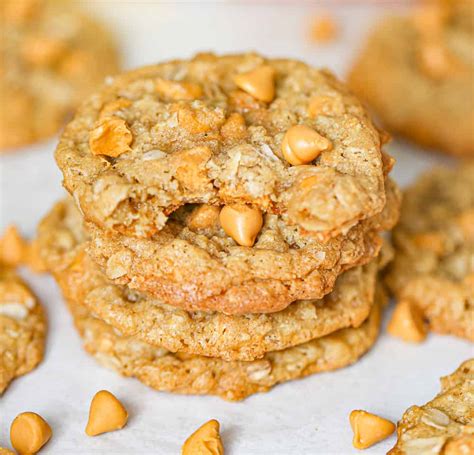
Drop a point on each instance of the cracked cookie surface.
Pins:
(434, 243)
(48, 55)
(22, 328)
(183, 132)
(243, 337)
(444, 425)
(190, 374)
(428, 56)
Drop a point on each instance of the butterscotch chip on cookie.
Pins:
(444, 425)
(211, 130)
(433, 268)
(22, 328)
(51, 56)
(231, 337)
(427, 56)
(190, 374)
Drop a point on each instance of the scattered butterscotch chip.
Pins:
(110, 137)
(176, 90)
(369, 428)
(241, 222)
(301, 145)
(206, 440)
(260, 83)
(29, 432)
(407, 323)
(12, 247)
(324, 29)
(106, 414)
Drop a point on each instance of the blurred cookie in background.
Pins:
(417, 74)
(51, 56)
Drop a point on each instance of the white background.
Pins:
(302, 417)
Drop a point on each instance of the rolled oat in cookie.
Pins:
(216, 130)
(434, 242)
(48, 53)
(444, 425)
(22, 328)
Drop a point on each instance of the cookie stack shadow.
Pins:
(183, 307)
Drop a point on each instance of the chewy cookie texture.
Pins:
(224, 230)
(434, 242)
(48, 56)
(22, 328)
(444, 425)
(427, 56)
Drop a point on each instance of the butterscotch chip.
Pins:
(302, 144)
(428, 55)
(110, 137)
(29, 432)
(106, 414)
(206, 440)
(242, 223)
(435, 249)
(12, 247)
(369, 429)
(22, 328)
(444, 425)
(50, 52)
(247, 105)
(407, 323)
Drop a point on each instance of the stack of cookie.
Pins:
(225, 224)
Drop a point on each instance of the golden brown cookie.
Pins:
(22, 328)
(416, 73)
(51, 56)
(444, 425)
(189, 374)
(243, 337)
(275, 135)
(434, 242)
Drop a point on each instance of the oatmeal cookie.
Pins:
(22, 328)
(444, 425)
(189, 374)
(416, 73)
(434, 242)
(49, 54)
(223, 130)
(244, 337)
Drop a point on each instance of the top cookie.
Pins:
(221, 131)
(417, 73)
(434, 242)
(49, 54)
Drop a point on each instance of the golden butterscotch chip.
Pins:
(302, 144)
(324, 29)
(106, 414)
(242, 223)
(260, 83)
(407, 323)
(29, 432)
(110, 137)
(12, 247)
(206, 440)
(175, 90)
(369, 428)
(110, 108)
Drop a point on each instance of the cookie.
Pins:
(192, 264)
(188, 374)
(444, 425)
(244, 337)
(48, 62)
(434, 243)
(427, 56)
(22, 328)
(223, 130)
